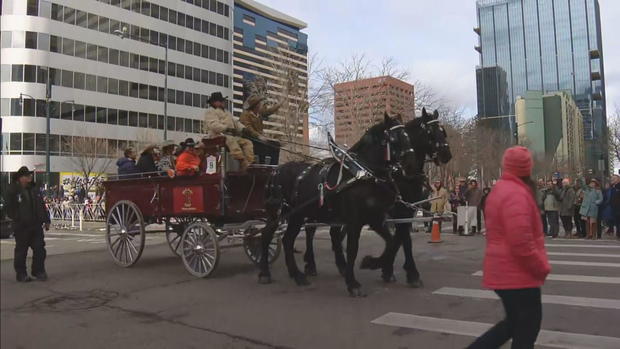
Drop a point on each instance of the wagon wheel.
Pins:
(174, 232)
(125, 233)
(252, 247)
(200, 249)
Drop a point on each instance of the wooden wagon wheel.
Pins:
(125, 234)
(252, 247)
(200, 249)
(174, 232)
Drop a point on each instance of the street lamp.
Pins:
(124, 33)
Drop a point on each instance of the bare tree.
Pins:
(613, 137)
(91, 158)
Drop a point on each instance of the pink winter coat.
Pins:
(515, 255)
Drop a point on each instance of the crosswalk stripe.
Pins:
(603, 303)
(587, 264)
(554, 339)
(577, 278)
(605, 255)
(75, 235)
(582, 245)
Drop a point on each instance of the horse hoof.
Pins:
(417, 283)
(310, 271)
(388, 278)
(370, 262)
(356, 292)
(342, 270)
(264, 279)
(301, 280)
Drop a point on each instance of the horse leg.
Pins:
(413, 276)
(310, 268)
(264, 276)
(288, 242)
(337, 235)
(353, 238)
(374, 263)
(387, 258)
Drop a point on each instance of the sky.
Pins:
(432, 39)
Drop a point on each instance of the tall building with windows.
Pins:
(543, 45)
(104, 86)
(270, 58)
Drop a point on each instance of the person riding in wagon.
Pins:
(252, 118)
(188, 163)
(220, 123)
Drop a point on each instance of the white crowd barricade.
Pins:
(71, 216)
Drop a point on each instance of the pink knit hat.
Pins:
(518, 161)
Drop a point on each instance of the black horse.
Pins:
(361, 198)
(429, 141)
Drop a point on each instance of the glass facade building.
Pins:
(543, 45)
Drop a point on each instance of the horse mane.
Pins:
(416, 122)
(374, 131)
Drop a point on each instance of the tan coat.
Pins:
(439, 206)
(254, 121)
(218, 120)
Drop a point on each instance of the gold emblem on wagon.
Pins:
(187, 192)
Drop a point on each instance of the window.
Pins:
(55, 144)
(114, 25)
(57, 12)
(179, 124)
(93, 21)
(112, 116)
(40, 143)
(78, 112)
(32, 8)
(196, 128)
(30, 73)
(179, 97)
(81, 18)
(17, 73)
(212, 28)
(113, 56)
(113, 86)
(16, 107)
(69, 14)
(135, 61)
(189, 47)
(144, 34)
(188, 125)
(68, 47)
(154, 39)
(90, 113)
(220, 31)
(188, 72)
(135, 5)
(160, 122)
(28, 143)
(220, 79)
(5, 39)
(66, 111)
(144, 63)
(55, 43)
(78, 80)
(212, 79)
(170, 123)
(142, 120)
(29, 106)
(205, 51)
(104, 25)
(31, 40)
(160, 94)
(172, 42)
(66, 145)
(188, 99)
(144, 91)
(101, 115)
(155, 11)
(152, 120)
(91, 82)
(204, 76)
(145, 9)
(123, 117)
(172, 16)
(133, 119)
(123, 88)
(153, 93)
(153, 65)
(196, 49)
(171, 95)
(181, 44)
(126, 4)
(196, 100)
(161, 66)
(102, 84)
(220, 55)
(196, 76)
(180, 70)
(40, 106)
(67, 78)
(54, 110)
(181, 19)
(124, 58)
(91, 52)
(54, 76)
(134, 89)
(102, 54)
(80, 49)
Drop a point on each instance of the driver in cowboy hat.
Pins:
(220, 123)
(252, 118)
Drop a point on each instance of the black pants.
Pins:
(29, 238)
(567, 223)
(580, 224)
(543, 217)
(553, 218)
(522, 323)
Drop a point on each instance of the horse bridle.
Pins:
(393, 135)
(436, 145)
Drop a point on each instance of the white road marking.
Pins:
(582, 245)
(75, 235)
(586, 264)
(605, 255)
(577, 278)
(554, 339)
(603, 303)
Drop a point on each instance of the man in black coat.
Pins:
(26, 208)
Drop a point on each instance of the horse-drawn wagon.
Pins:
(197, 212)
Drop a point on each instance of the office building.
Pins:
(104, 86)
(270, 59)
(551, 126)
(543, 45)
(359, 104)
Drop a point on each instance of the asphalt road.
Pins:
(89, 302)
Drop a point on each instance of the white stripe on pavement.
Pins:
(586, 264)
(546, 298)
(577, 278)
(554, 339)
(75, 235)
(582, 245)
(605, 255)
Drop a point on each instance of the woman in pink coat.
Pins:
(515, 262)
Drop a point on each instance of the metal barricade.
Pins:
(72, 216)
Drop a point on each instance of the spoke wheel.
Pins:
(125, 233)
(174, 231)
(252, 248)
(200, 249)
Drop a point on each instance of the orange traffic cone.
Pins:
(436, 232)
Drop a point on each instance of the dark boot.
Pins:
(40, 276)
(23, 278)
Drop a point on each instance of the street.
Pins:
(89, 302)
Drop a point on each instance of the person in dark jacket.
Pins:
(615, 202)
(27, 210)
(567, 207)
(127, 164)
(146, 163)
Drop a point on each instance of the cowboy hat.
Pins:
(23, 171)
(217, 97)
(167, 143)
(190, 143)
(254, 100)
